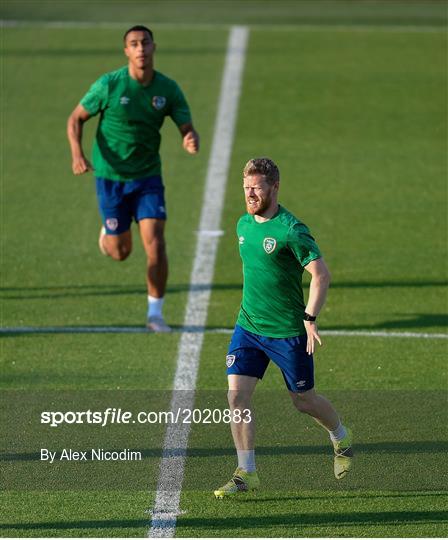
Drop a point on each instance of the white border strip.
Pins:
(383, 334)
(13, 23)
(166, 506)
(192, 329)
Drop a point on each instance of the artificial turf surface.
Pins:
(356, 119)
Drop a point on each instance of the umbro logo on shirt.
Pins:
(124, 100)
(241, 240)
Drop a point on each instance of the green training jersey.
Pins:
(274, 254)
(128, 136)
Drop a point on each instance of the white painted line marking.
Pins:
(383, 334)
(15, 23)
(210, 233)
(166, 506)
(192, 329)
(74, 330)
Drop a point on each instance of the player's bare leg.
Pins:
(245, 478)
(116, 246)
(241, 388)
(316, 406)
(321, 409)
(153, 240)
(152, 233)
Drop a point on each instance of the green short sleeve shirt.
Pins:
(128, 137)
(274, 254)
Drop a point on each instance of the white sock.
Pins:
(246, 460)
(155, 306)
(338, 434)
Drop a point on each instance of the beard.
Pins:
(259, 205)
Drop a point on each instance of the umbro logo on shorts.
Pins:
(230, 360)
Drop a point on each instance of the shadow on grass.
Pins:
(387, 447)
(417, 322)
(65, 291)
(421, 320)
(88, 524)
(357, 495)
(301, 520)
(112, 52)
(253, 522)
(403, 321)
(75, 291)
(108, 329)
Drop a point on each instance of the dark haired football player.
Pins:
(132, 102)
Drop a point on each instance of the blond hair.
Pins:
(264, 167)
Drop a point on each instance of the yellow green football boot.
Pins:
(343, 455)
(241, 481)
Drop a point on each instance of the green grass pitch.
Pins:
(350, 100)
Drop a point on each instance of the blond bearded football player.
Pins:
(274, 323)
(133, 102)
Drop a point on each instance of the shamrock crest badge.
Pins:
(269, 245)
(158, 102)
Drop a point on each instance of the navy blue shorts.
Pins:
(120, 202)
(249, 354)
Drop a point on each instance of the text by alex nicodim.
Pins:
(92, 454)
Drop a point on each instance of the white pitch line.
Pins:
(192, 329)
(383, 334)
(166, 506)
(393, 28)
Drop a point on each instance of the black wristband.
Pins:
(308, 317)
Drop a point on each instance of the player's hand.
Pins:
(312, 336)
(81, 165)
(190, 142)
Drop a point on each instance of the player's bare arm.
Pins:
(190, 138)
(80, 164)
(320, 281)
